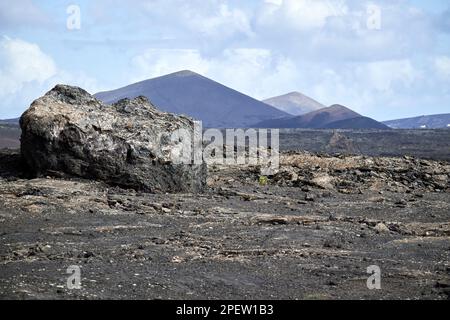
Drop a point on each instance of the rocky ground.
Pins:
(9, 136)
(423, 143)
(309, 233)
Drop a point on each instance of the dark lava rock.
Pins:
(12, 167)
(401, 203)
(127, 144)
(310, 197)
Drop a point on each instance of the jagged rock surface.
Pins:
(285, 239)
(348, 174)
(126, 144)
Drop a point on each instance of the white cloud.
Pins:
(261, 73)
(213, 20)
(26, 72)
(237, 68)
(382, 76)
(364, 86)
(223, 20)
(255, 71)
(300, 15)
(275, 2)
(21, 63)
(322, 48)
(21, 13)
(442, 66)
(157, 62)
(337, 30)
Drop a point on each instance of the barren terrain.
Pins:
(310, 233)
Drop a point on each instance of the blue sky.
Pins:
(385, 59)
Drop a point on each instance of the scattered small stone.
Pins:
(381, 228)
(86, 254)
(166, 210)
(177, 259)
(401, 203)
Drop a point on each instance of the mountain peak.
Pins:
(333, 117)
(340, 108)
(189, 93)
(184, 73)
(293, 94)
(295, 103)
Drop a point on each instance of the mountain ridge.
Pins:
(295, 103)
(334, 117)
(10, 121)
(189, 93)
(434, 121)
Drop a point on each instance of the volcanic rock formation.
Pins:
(126, 144)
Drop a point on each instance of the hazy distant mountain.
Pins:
(430, 122)
(9, 134)
(10, 121)
(188, 93)
(357, 123)
(295, 103)
(334, 117)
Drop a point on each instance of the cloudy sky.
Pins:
(384, 58)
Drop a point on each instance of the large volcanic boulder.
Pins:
(126, 144)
